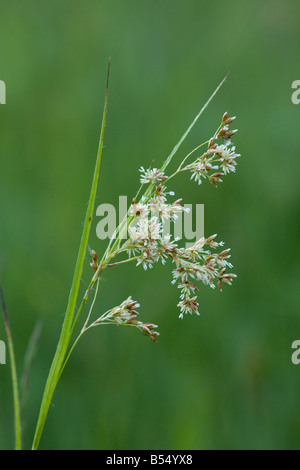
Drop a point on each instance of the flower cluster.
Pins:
(218, 156)
(196, 263)
(126, 314)
(149, 244)
(147, 240)
(152, 176)
(199, 264)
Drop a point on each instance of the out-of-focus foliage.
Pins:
(221, 380)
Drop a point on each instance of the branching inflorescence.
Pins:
(147, 243)
(141, 238)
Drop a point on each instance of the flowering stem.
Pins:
(92, 284)
(70, 351)
(147, 194)
(168, 160)
(121, 262)
(188, 155)
(13, 374)
(84, 328)
(85, 298)
(65, 337)
(92, 306)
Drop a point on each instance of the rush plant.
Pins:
(146, 244)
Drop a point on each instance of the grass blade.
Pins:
(65, 337)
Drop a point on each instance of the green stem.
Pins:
(65, 338)
(92, 284)
(121, 262)
(70, 352)
(85, 298)
(168, 160)
(188, 155)
(84, 329)
(92, 306)
(14, 377)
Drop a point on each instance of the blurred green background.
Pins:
(223, 380)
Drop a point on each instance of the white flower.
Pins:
(157, 206)
(165, 211)
(150, 228)
(135, 235)
(198, 245)
(188, 305)
(227, 158)
(151, 176)
(126, 311)
(197, 175)
(167, 244)
(138, 210)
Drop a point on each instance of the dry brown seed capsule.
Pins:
(132, 322)
(153, 338)
(224, 253)
(225, 116)
(211, 143)
(229, 134)
(211, 238)
(150, 326)
(94, 266)
(222, 132)
(146, 330)
(178, 201)
(230, 120)
(215, 178)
